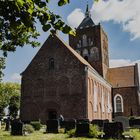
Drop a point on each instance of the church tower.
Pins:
(91, 42)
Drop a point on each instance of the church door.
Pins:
(52, 114)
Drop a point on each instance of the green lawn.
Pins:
(38, 135)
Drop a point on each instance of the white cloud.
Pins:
(124, 12)
(15, 77)
(75, 18)
(119, 62)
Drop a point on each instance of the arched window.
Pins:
(118, 103)
(85, 52)
(95, 94)
(94, 53)
(102, 102)
(51, 63)
(84, 40)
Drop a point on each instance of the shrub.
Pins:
(132, 117)
(94, 131)
(36, 125)
(61, 130)
(71, 133)
(28, 128)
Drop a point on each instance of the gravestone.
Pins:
(124, 121)
(99, 123)
(7, 121)
(113, 130)
(134, 123)
(82, 121)
(16, 127)
(69, 124)
(52, 126)
(82, 127)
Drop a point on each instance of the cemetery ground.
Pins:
(40, 135)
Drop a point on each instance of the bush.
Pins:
(28, 128)
(94, 131)
(71, 133)
(36, 125)
(132, 117)
(61, 130)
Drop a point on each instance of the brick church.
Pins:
(75, 80)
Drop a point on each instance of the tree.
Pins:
(18, 22)
(14, 105)
(2, 66)
(7, 91)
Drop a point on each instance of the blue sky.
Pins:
(120, 21)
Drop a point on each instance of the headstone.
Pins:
(82, 120)
(16, 127)
(82, 127)
(113, 130)
(134, 123)
(124, 121)
(69, 124)
(7, 121)
(99, 123)
(52, 126)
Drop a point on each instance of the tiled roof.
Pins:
(87, 22)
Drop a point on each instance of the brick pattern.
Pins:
(104, 106)
(130, 101)
(100, 40)
(62, 89)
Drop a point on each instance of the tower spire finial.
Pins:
(87, 13)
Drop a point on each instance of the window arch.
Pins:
(94, 53)
(95, 94)
(84, 40)
(51, 63)
(118, 103)
(85, 52)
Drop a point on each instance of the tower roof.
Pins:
(87, 21)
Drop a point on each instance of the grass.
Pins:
(39, 135)
(135, 133)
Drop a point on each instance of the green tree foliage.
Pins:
(14, 105)
(18, 22)
(2, 66)
(9, 92)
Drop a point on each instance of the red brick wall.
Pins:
(130, 100)
(62, 88)
(103, 91)
(100, 41)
